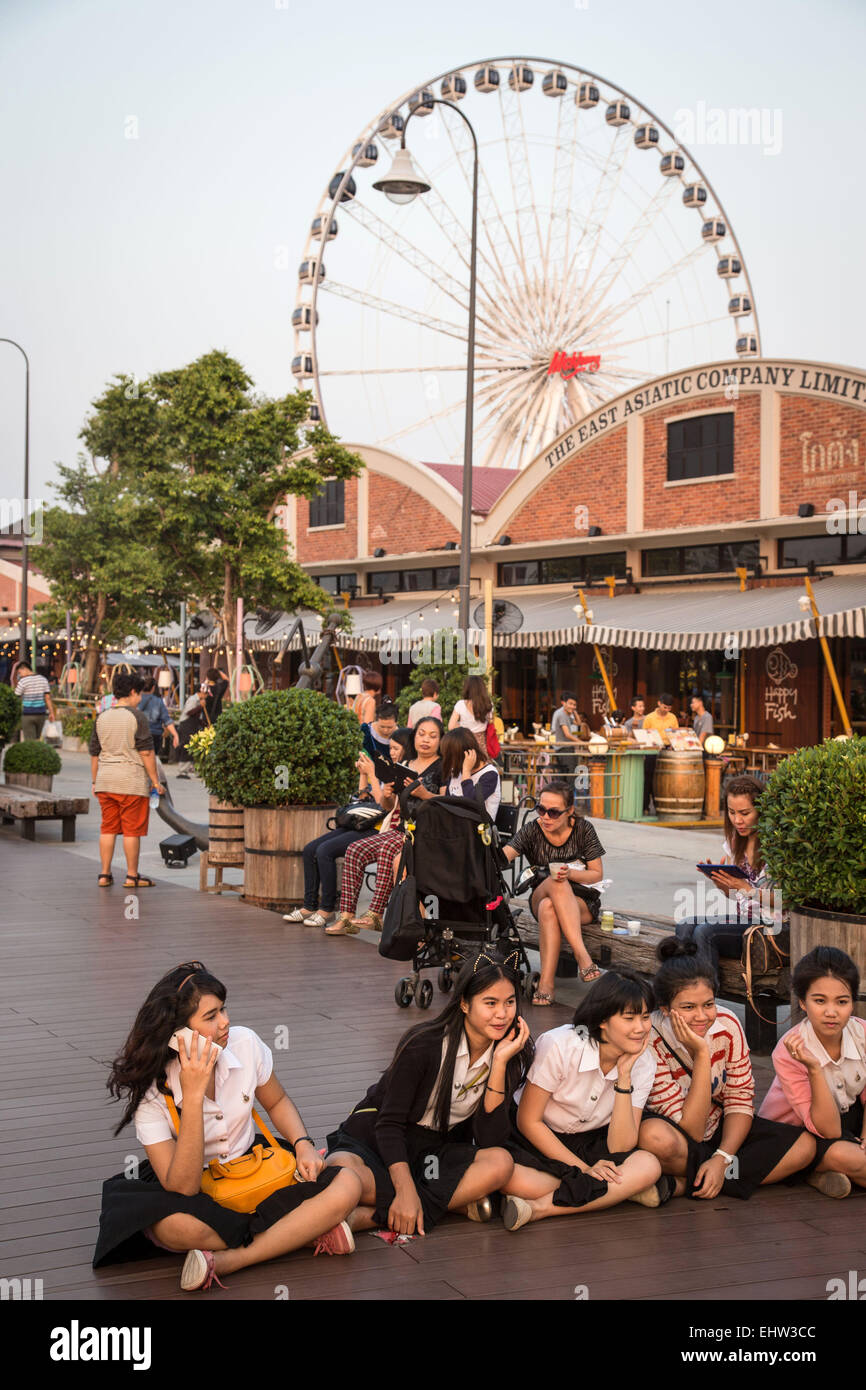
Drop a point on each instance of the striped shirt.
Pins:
(732, 1083)
(32, 691)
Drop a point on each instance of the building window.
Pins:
(447, 576)
(328, 507)
(386, 580)
(336, 583)
(798, 552)
(563, 569)
(700, 559)
(701, 446)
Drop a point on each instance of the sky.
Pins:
(161, 162)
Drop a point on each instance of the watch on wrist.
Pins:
(623, 1090)
(301, 1140)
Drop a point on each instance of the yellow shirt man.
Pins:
(661, 718)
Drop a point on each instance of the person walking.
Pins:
(156, 713)
(123, 767)
(34, 692)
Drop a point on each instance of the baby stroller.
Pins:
(452, 853)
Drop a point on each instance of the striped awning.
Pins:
(696, 618)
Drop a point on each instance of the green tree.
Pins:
(98, 556)
(215, 463)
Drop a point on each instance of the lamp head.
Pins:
(402, 183)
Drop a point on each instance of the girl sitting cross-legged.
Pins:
(575, 1147)
(429, 1136)
(700, 1119)
(820, 1067)
(195, 1104)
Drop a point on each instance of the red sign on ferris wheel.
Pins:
(569, 365)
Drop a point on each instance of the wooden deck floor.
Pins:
(74, 972)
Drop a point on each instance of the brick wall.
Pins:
(703, 503)
(830, 462)
(595, 479)
(401, 521)
(329, 545)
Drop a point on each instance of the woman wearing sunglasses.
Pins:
(560, 840)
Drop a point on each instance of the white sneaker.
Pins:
(319, 919)
(298, 914)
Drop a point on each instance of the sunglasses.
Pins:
(551, 812)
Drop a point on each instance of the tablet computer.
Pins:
(733, 869)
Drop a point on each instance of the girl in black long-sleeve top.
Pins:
(430, 1135)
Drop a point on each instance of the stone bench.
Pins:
(29, 806)
(639, 953)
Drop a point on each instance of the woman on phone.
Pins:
(320, 855)
(750, 898)
(820, 1080)
(566, 842)
(703, 1127)
(468, 772)
(382, 849)
(192, 1102)
(575, 1147)
(429, 1137)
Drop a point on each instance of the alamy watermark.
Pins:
(846, 518)
(445, 647)
(22, 516)
(736, 125)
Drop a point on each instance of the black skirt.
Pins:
(576, 1188)
(852, 1128)
(590, 896)
(437, 1164)
(763, 1148)
(130, 1206)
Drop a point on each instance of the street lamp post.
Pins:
(25, 520)
(402, 184)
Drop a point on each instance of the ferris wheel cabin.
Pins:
(348, 192)
(421, 103)
(672, 164)
(646, 137)
(302, 365)
(369, 154)
(694, 195)
(554, 83)
(307, 273)
(747, 346)
(618, 113)
(392, 127)
(520, 78)
(302, 318)
(487, 79)
(588, 95)
(325, 228)
(714, 230)
(728, 267)
(453, 88)
(740, 304)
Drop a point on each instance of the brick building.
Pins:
(706, 495)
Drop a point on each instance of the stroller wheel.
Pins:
(446, 979)
(424, 996)
(403, 991)
(531, 984)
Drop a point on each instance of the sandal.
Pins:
(590, 973)
(344, 926)
(370, 920)
(109, 879)
(138, 881)
(542, 999)
(298, 914)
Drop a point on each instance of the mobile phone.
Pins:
(186, 1034)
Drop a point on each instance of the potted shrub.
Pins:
(78, 722)
(288, 758)
(813, 834)
(10, 713)
(31, 764)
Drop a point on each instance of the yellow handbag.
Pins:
(243, 1183)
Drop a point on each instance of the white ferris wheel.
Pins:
(588, 245)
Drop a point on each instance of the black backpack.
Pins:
(357, 815)
(403, 929)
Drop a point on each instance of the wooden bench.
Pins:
(639, 953)
(29, 806)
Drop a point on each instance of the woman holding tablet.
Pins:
(750, 890)
(192, 1101)
(575, 1146)
(820, 1080)
(700, 1119)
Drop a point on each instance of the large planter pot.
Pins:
(273, 839)
(812, 926)
(37, 781)
(225, 833)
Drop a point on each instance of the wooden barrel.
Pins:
(273, 840)
(811, 927)
(678, 786)
(225, 833)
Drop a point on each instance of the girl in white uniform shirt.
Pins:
(820, 1067)
(468, 772)
(214, 1089)
(701, 1112)
(575, 1146)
